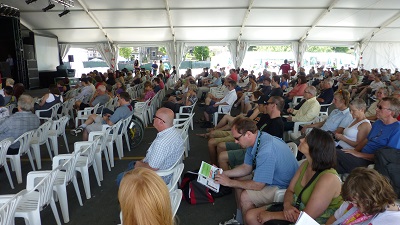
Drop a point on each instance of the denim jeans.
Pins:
(131, 166)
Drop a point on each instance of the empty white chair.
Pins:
(57, 129)
(124, 132)
(141, 109)
(111, 138)
(101, 149)
(39, 194)
(85, 161)
(24, 148)
(41, 136)
(9, 204)
(67, 106)
(66, 175)
(176, 198)
(4, 144)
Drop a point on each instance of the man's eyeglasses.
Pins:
(380, 108)
(237, 138)
(158, 118)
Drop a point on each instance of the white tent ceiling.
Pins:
(126, 21)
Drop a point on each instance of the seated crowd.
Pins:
(250, 147)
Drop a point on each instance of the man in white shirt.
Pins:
(213, 103)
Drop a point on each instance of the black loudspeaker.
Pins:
(70, 58)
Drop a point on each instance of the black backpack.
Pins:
(387, 163)
(195, 193)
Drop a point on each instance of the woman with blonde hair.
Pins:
(369, 199)
(144, 199)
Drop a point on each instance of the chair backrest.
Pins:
(115, 129)
(54, 110)
(89, 149)
(59, 125)
(42, 132)
(24, 141)
(4, 144)
(294, 148)
(69, 166)
(7, 210)
(125, 124)
(102, 135)
(42, 184)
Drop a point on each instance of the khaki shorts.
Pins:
(97, 125)
(223, 136)
(262, 197)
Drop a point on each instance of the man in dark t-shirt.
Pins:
(269, 121)
(285, 67)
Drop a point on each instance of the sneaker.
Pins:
(230, 222)
(76, 131)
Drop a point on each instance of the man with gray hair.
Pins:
(326, 95)
(307, 112)
(18, 123)
(100, 96)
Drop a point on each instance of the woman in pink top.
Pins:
(298, 90)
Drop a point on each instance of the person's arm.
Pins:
(290, 212)
(363, 130)
(327, 187)
(357, 154)
(223, 179)
(106, 118)
(144, 165)
(331, 220)
(44, 98)
(313, 125)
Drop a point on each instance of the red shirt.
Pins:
(285, 68)
(161, 84)
(234, 77)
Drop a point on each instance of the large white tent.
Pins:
(372, 27)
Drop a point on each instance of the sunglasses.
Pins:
(158, 118)
(237, 138)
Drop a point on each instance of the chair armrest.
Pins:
(33, 175)
(279, 195)
(95, 133)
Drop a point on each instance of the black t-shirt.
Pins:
(266, 90)
(271, 126)
(327, 95)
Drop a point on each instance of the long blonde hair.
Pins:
(144, 199)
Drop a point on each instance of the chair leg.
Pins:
(8, 174)
(49, 149)
(31, 160)
(55, 212)
(63, 199)
(120, 148)
(96, 173)
(66, 142)
(36, 152)
(111, 153)
(77, 191)
(97, 160)
(54, 144)
(127, 141)
(85, 180)
(16, 161)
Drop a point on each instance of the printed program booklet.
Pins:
(305, 219)
(207, 174)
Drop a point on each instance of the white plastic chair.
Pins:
(39, 194)
(101, 148)
(324, 109)
(8, 207)
(151, 110)
(141, 109)
(83, 115)
(85, 161)
(4, 144)
(64, 177)
(294, 148)
(222, 109)
(53, 109)
(176, 172)
(24, 148)
(111, 138)
(186, 111)
(183, 126)
(41, 136)
(295, 101)
(67, 106)
(176, 198)
(124, 132)
(57, 129)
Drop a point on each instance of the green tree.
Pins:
(126, 52)
(273, 48)
(201, 52)
(341, 49)
(162, 50)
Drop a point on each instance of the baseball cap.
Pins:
(262, 100)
